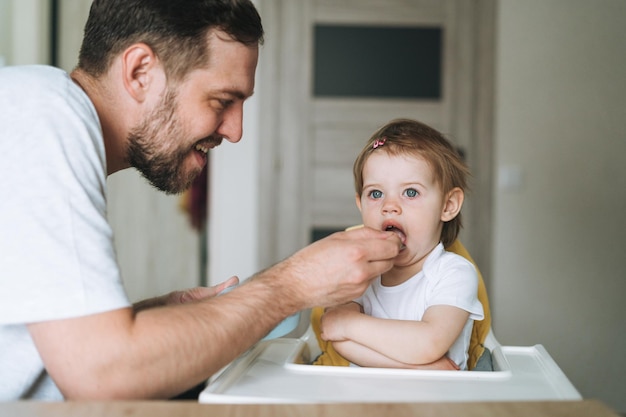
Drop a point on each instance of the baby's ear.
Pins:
(452, 204)
(358, 201)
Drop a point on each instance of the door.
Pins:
(314, 122)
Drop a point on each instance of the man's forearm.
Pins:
(150, 303)
(156, 352)
(145, 352)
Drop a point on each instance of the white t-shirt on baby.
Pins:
(445, 279)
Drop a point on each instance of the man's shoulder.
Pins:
(28, 76)
(41, 87)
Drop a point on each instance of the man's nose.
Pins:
(231, 127)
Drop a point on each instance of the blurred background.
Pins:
(532, 92)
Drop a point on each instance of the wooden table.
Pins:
(586, 408)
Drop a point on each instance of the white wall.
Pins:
(234, 202)
(24, 30)
(233, 213)
(559, 275)
(5, 31)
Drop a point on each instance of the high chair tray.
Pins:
(275, 371)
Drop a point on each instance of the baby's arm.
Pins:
(370, 341)
(364, 356)
(331, 326)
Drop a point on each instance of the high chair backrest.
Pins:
(479, 332)
(481, 328)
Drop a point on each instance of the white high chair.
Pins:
(279, 371)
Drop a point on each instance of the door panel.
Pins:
(320, 136)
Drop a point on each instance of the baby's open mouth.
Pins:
(400, 233)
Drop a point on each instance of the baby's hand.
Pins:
(336, 321)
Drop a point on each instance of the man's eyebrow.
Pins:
(238, 94)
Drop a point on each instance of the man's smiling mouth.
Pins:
(202, 148)
(206, 145)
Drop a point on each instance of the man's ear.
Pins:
(139, 69)
(452, 204)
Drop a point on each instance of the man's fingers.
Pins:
(366, 234)
(230, 282)
(379, 267)
(199, 293)
(195, 294)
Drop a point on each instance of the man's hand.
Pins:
(186, 296)
(338, 268)
(198, 293)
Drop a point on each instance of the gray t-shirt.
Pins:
(57, 258)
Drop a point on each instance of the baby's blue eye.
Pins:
(411, 192)
(376, 194)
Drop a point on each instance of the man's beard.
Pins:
(152, 149)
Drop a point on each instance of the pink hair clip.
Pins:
(379, 142)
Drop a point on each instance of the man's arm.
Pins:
(162, 351)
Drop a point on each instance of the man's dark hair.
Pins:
(176, 30)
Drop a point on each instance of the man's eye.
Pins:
(376, 194)
(411, 192)
(224, 104)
